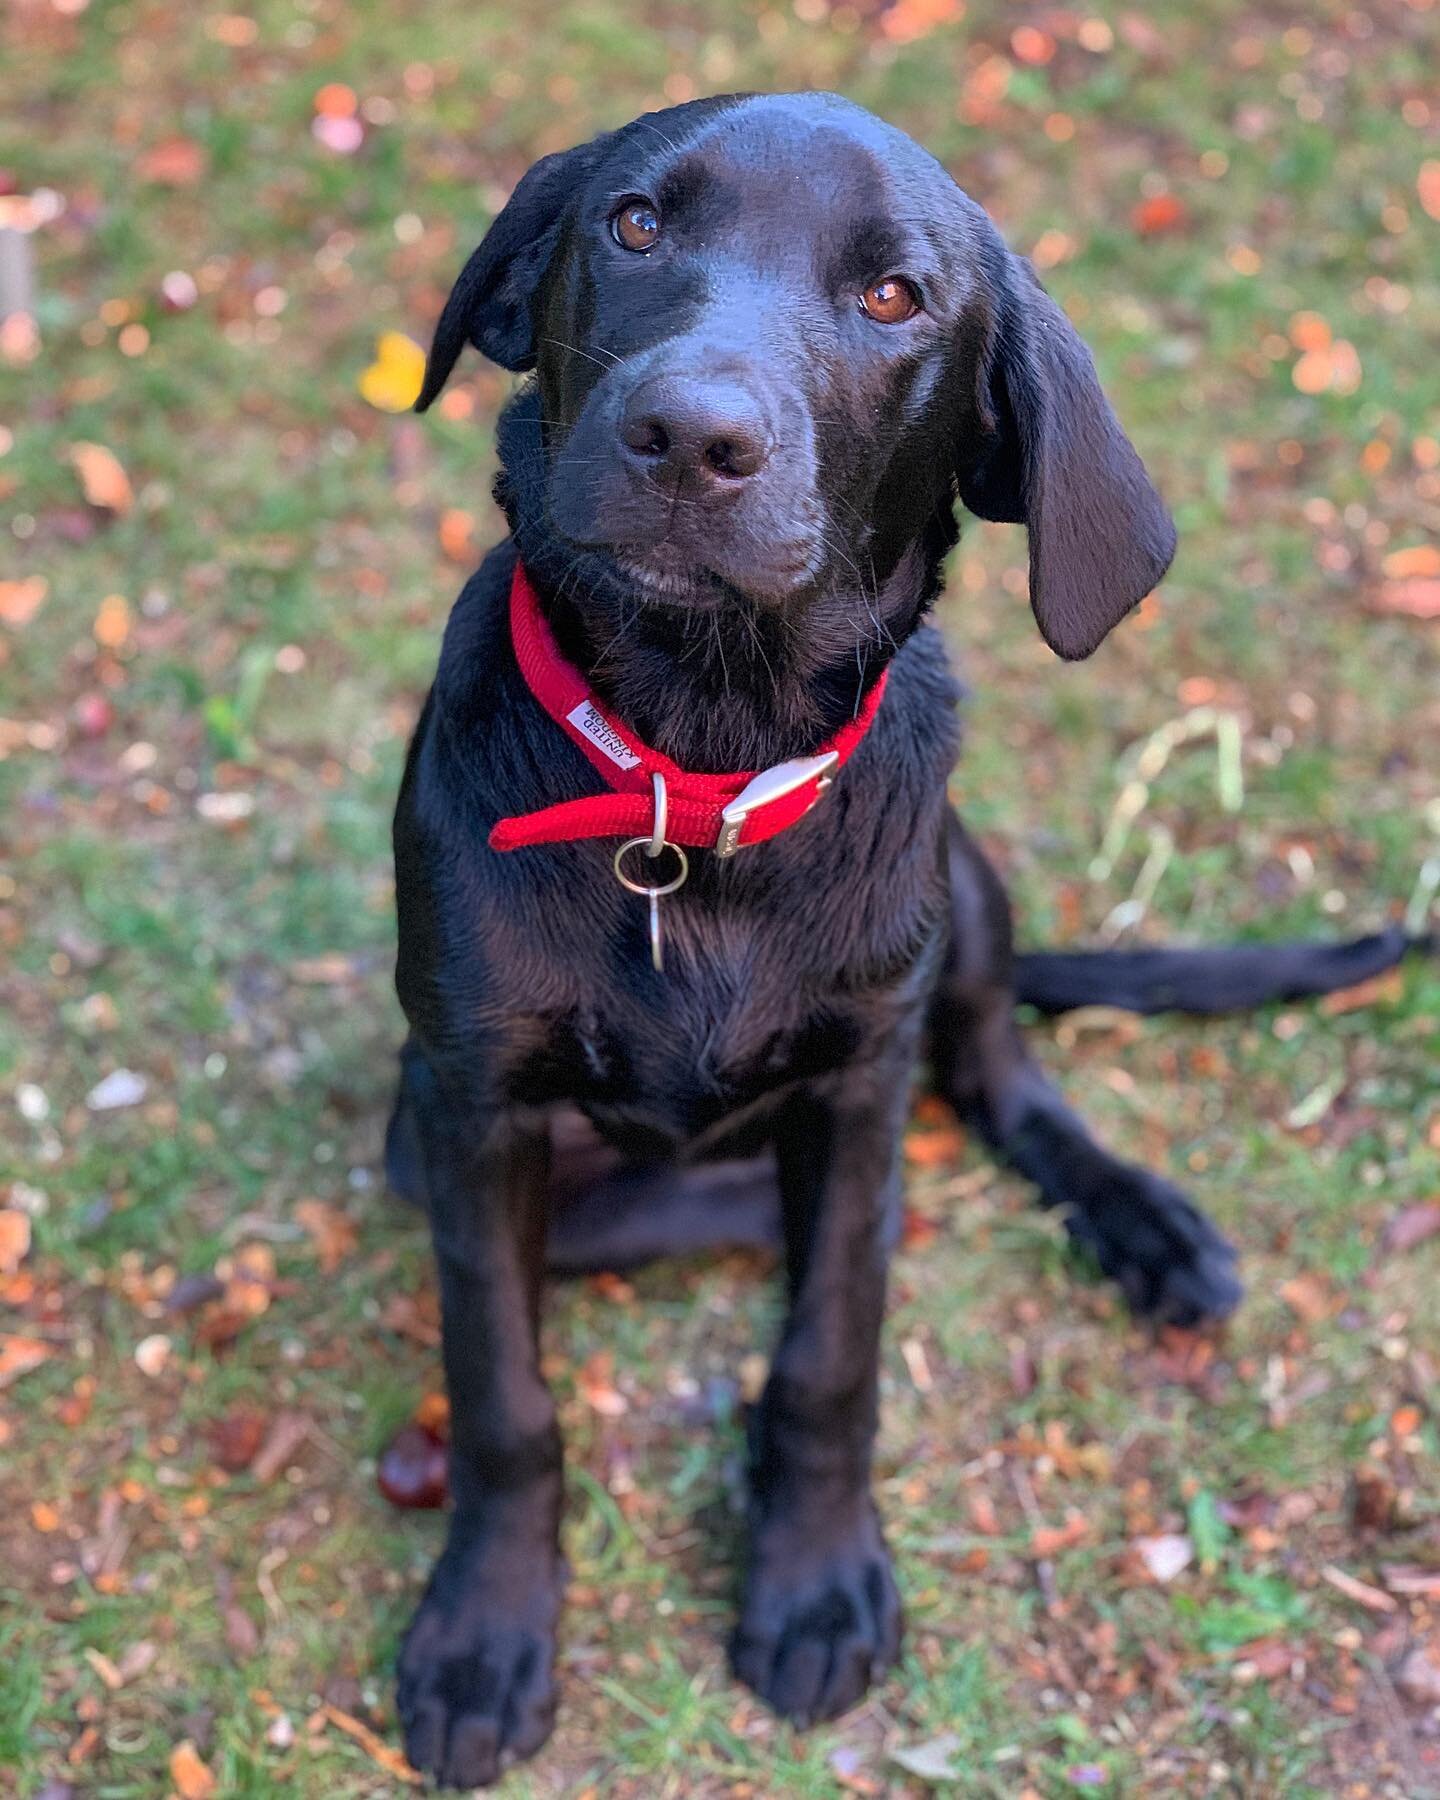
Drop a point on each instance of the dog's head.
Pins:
(773, 340)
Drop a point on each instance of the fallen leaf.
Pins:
(152, 1354)
(193, 1780)
(1427, 186)
(102, 479)
(1418, 559)
(457, 534)
(1165, 1556)
(1377, 988)
(1410, 1578)
(1373, 1599)
(121, 1087)
(331, 1231)
(172, 162)
(19, 1355)
(392, 382)
(373, 1745)
(112, 622)
(1417, 597)
(1418, 1677)
(932, 1761)
(1405, 1421)
(236, 1437)
(598, 1388)
(1309, 1297)
(336, 101)
(1157, 214)
(329, 970)
(1048, 1540)
(1372, 1500)
(105, 1669)
(14, 1239)
(1412, 1225)
(21, 600)
(284, 1438)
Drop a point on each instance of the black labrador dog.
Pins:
(773, 342)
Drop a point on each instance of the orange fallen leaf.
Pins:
(1377, 988)
(103, 480)
(374, 1746)
(19, 1355)
(112, 622)
(1309, 331)
(173, 162)
(457, 529)
(1157, 214)
(1427, 186)
(21, 600)
(44, 1517)
(1048, 1540)
(1417, 559)
(336, 101)
(1405, 1421)
(193, 1780)
(14, 1239)
(331, 1231)
(1308, 1296)
(1418, 597)
(598, 1388)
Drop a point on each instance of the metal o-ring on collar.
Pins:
(662, 815)
(657, 891)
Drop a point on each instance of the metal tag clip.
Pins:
(769, 785)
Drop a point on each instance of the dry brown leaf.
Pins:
(1412, 1225)
(21, 600)
(329, 970)
(1388, 987)
(14, 1239)
(374, 1746)
(173, 162)
(1309, 1297)
(331, 1231)
(103, 479)
(193, 1780)
(19, 1355)
(1373, 1599)
(285, 1437)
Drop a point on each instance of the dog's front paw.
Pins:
(476, 1685)
(818, 1623)
(1170, 1262)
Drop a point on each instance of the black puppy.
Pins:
(773, 343)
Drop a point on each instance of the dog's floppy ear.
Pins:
(489, 305)
(1048, 452)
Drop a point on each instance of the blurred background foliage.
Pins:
(225, 561)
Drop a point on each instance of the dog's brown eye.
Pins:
(636, 225)
(890, 301)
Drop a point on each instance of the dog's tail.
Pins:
(1228, 978)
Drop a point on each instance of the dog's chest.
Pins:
(735, 1018)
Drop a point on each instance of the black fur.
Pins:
(734, 619)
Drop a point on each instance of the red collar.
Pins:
(719, 812)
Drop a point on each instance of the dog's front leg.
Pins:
(820, 1615)
(476, 1687)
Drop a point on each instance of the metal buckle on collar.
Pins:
(770, 785)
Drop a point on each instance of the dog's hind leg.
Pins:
(1169, 1260)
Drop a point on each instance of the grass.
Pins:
(286, 585)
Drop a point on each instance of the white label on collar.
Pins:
(591, 723)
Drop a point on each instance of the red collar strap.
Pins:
(716, 812)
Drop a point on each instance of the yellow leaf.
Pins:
(392, 382)
(101, 476)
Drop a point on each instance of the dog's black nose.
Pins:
(715, 431)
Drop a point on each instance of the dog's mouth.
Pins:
(667, 572)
